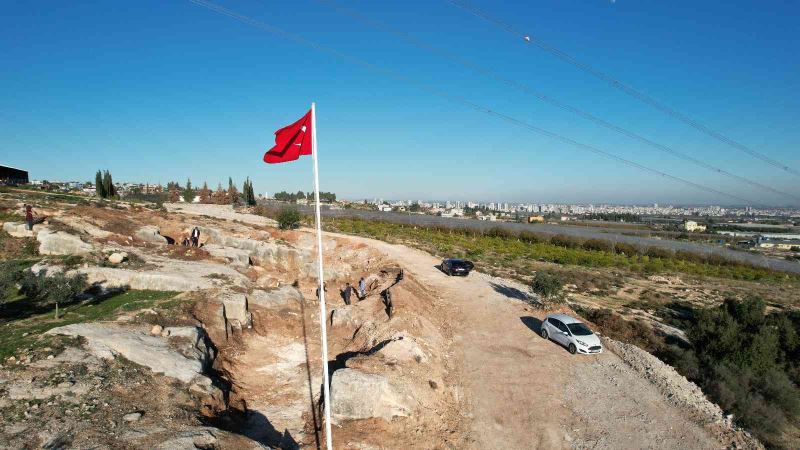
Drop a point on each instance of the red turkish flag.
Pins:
(291, 142)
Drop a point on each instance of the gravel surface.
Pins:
(615, 408)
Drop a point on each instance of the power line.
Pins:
(453, 98)
(626, 88)
(541, 96)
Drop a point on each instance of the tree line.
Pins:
(104, 187)
(220, 196)
(327, 197)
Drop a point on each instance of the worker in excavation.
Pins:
(324, 288)
(362, 288)
(347, 292)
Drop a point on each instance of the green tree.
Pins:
(54, 289)
(249, 195)
(99, 187)
(108, 185)
(188, 192)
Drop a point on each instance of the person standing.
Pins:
(362, 289)
(387, 301)
(347, 292)
(29, 216)
(196, 237)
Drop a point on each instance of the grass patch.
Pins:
(24, 333)
(520, 251)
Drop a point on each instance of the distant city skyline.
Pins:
(455, 201)
(158, 92)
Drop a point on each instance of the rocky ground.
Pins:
(232, 359)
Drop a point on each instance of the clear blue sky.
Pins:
(164, 90)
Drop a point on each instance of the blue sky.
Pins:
(164, 90)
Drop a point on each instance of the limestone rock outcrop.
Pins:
(150, 233)
(358, 395)
(61, 243)
(109, 340)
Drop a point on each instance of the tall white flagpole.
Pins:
(323, 316)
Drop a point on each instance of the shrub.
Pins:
(11, 273)
(746, 361)
(626, 249)
(598, 245)
(657, 252)
(499, 232)
(547, 285)
(58, 288)
(688, 256)
(614, 326)
(530, 238)
(288, 218)
(565, 241)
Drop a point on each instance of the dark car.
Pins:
(456, 267)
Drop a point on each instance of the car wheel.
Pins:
(544, 333)
(572, 348)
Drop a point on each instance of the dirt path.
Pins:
(523, 392)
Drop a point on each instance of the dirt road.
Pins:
(523, 392)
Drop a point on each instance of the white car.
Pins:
(571, 333)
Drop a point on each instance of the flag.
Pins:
(291, 141)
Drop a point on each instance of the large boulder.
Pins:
(276, 298)
(403, 349)
(20, 229)
(117, 257)
(61, 243)
(191, 440)
(358, 395)
(150, 233)
(237, 257)
(234, 309)
(108, 340)
(345, 316)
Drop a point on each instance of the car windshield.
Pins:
(458, 263)
(579, 329)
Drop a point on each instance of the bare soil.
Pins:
(525, 392)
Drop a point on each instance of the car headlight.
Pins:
(581, 342)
